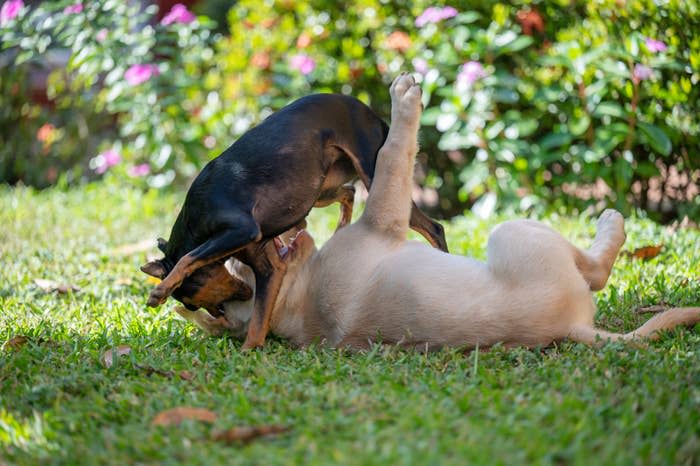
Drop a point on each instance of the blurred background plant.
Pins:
(529, 104)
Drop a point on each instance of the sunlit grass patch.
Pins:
(568, 404)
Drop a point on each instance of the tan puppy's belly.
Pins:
(416, 296)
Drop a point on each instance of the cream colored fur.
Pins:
(368, 283)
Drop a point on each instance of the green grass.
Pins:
(564, 405)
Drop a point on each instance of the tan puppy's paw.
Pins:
(611, 228)
(202, 319)
(406, 105)
(400, 85)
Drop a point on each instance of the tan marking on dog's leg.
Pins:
(596, 263)
(388, 205)
(184, 267)
(346, 197)
(259, 325)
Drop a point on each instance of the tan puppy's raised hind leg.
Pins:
(388, 205)
(597, 263)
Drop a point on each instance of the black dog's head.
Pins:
(208, 287)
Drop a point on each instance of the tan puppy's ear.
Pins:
(154, 269)
(162, 244)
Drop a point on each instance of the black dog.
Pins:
(264, 184)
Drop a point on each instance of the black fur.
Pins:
(270, 178)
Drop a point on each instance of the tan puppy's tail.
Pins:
(649, 331)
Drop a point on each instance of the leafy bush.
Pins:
(527, 103)
(149, 80)
(524, 102)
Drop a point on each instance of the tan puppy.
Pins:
(368, 283)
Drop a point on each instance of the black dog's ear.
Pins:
(162, 244)
(154, 269)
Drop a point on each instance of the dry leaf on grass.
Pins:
(185, 375)
(152, 280)
(15, 342)
(175, 416)
(111, 354)
(654, 308)
(646, 252)
(50, 286)
(249, 433)
(150, 370)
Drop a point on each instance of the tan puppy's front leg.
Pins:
(202, 319)
(597, 263)
(389, 202)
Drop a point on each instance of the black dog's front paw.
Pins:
(157, 297)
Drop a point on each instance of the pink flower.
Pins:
(303, 63)
(73, 9)
(641, 72)
(420, 65)
(106, 160)
(137, 74)
(101, 35)
(435, 15)
(470, 73)
(10, 10)
(178, 14)
(136, 171)
(655, 45)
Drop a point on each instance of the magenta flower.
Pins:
(137, 74)
(471, 72)
(10, 10)
(178, 14)
(106, 160)
(73, 9)
(655, 46)
(303, 63)
(641, 72)
(136, 171)
(435, 15)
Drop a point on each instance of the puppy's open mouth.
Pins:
(288, 250)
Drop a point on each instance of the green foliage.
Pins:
(163, 120)
(566, 404)
(527, 103)
(553, 104)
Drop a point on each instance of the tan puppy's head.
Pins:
(294, 247)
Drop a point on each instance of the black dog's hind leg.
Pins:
(230, 239)
(345, 195)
